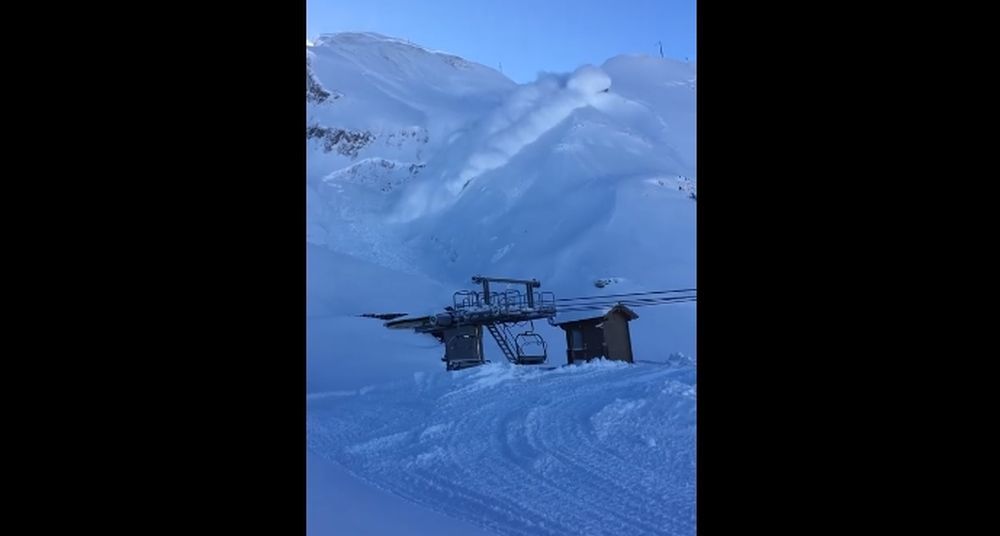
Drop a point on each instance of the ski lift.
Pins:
(531, 348)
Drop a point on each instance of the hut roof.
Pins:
(580, 316)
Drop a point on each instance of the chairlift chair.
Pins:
(528, 344)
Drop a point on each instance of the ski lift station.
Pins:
(508, 316)
(460, 327)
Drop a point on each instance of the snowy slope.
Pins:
(449, 169)
(339, 503)
(345, 351)
(601, 448)
(395, 92)
(424, 169)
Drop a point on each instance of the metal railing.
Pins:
(500, 302)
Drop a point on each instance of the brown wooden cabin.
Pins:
(606, 336)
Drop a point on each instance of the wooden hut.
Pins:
(605, 335)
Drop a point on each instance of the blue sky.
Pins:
(526, 36)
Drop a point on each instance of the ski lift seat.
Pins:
(532, 340)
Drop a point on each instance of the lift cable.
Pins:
(606, 296)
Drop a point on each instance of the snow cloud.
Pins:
(530, 112)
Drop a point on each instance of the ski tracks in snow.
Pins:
(603, 448)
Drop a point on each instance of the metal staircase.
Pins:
(506, 345)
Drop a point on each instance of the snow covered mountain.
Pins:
(424, 169)
(426, 164)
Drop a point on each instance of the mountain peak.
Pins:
(364, 38)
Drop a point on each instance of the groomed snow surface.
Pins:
(600, 448)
